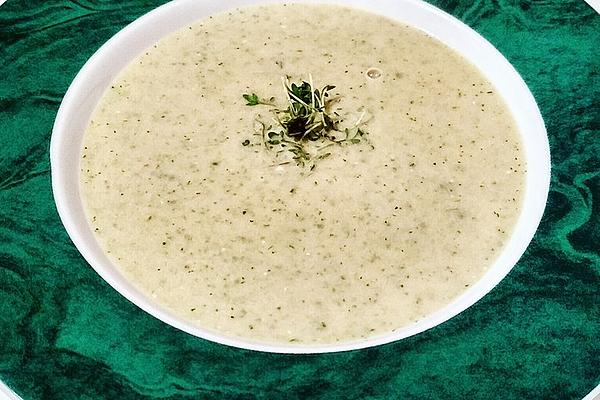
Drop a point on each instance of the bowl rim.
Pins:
(103, 65)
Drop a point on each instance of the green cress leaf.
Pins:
(306, 119)
(252, 99)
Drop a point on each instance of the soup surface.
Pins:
(235, 240)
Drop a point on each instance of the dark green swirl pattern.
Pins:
(65, 334)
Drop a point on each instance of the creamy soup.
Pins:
(236, 240)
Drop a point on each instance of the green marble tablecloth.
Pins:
(65, 334)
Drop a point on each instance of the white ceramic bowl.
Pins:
(104, 65)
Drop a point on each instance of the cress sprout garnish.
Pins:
(307, 129)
